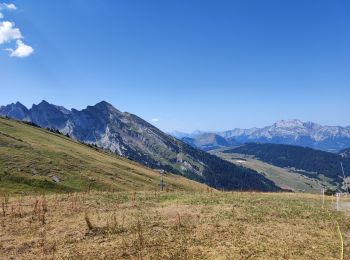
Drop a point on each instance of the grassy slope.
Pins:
(173, 225)
(30, 156)
(282, 177)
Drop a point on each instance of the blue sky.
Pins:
(209, 65)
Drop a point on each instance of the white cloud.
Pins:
(8, 32)
(155, 120)
(4, 6)
(21, 51)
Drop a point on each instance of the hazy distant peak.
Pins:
(295, 131)
(289, 123)
(20, 104)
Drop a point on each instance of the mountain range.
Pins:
(209, 141)
(293, 132)
(129, 136)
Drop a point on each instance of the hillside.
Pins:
(307, 161)
(31, 159)
(132, 137)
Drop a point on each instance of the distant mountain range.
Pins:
(130, 136)
(293, 132)
(209, 141)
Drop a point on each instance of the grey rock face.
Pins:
(48, 115)
(15, 110)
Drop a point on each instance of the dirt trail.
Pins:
(345, 206)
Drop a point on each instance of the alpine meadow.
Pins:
(174, 129)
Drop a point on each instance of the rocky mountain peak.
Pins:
(15, 110)
(43, 102)
(104, 107)
(19, 104)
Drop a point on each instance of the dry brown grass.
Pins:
(173, 225)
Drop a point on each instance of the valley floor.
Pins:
(283, 177)
(171, 225)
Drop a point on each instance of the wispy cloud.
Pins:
(155, 120)
(10, 33)
(4, 6)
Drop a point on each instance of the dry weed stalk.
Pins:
(4, 208)
(19, 208)
(88, 222)
(141, 239)
(40, 209)
(56, 201)
(35, 209)
(178, 219)
(43, 210)
(74, 202)
(4, 203)
(43, 217)
(44, 204)
(47, 248)
(89, 187)
(134, 199)
(112, 224)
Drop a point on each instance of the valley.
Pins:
(285, 178)
(296, 168)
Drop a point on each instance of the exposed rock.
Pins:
(56, 179)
